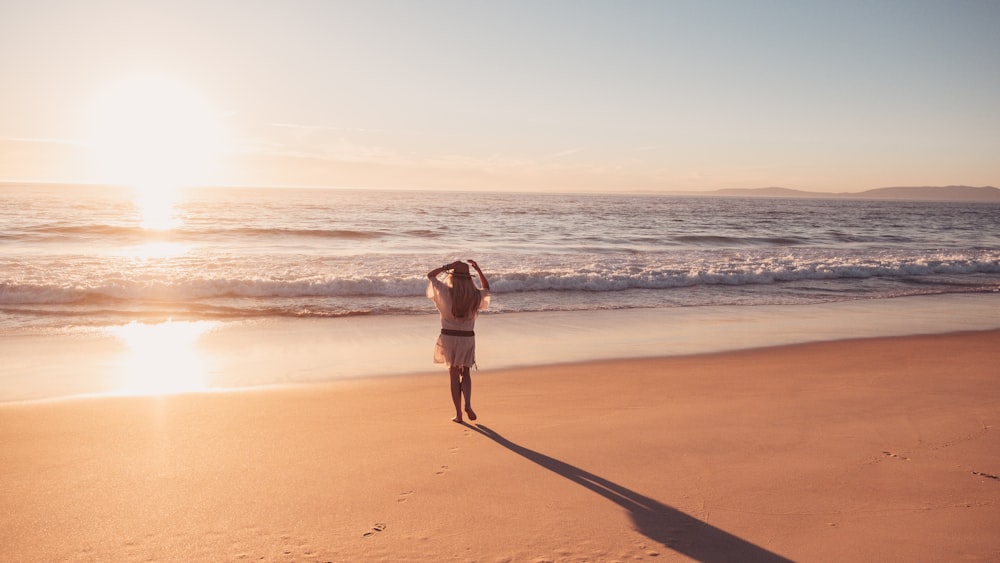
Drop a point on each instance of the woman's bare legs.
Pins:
(461, 384)
(455, 373)
(467, 391)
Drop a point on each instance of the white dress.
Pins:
(455, 351)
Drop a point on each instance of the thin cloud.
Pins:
(561, 154)
(324, 128)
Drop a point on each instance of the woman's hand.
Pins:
(486, 284)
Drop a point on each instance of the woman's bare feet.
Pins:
(471, 413)
(458, 418)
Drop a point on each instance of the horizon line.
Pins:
(533, 190)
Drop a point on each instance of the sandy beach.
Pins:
(742, 262)
(855, 450)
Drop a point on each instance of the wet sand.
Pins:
(190, 355)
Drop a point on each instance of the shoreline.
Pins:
(870, 449)
(145, 359)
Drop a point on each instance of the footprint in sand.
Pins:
(404, 496)
(444, 469)
(375, 529)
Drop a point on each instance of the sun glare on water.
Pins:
(155, 134)
(161, 359)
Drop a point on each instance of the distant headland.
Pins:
(917, 193)
(983, 194)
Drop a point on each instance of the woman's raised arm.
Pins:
(486, 284)
(437, 271)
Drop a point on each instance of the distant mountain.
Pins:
(936, 193)
(921, 193)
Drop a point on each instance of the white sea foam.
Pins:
(238, 253)
(199, 281)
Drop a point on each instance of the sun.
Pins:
(155, 134)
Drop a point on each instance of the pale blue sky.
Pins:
(569, 95)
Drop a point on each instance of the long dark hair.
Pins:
(465, 295)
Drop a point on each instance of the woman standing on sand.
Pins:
(459, 302)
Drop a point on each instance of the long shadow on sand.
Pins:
(655, 520)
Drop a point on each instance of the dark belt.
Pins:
(449, 332)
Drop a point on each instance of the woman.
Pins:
(459, 302)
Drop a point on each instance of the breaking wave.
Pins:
(198, 283)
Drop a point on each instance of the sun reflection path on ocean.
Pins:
(155, 250)
(162, 358)
(157, 206)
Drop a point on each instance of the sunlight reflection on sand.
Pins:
(162, 358)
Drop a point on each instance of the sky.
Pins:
(548, 95)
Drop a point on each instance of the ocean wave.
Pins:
(198, 311)
(280, 232)
(196, 283)
(733, 275)
(95, 230)
(173, 290)
(729, 241)
(138, 232)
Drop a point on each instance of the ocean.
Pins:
(86, 256)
